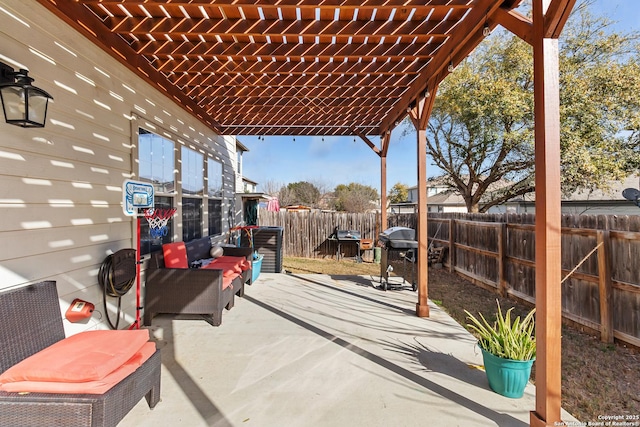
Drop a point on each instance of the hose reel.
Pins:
(117, 275)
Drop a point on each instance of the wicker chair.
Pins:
(30, 320)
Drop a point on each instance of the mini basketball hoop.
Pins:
(157, 219)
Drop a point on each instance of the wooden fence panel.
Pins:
(497, 251)
(520, 255)
(306, 234)
(580, 291)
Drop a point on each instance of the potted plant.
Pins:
(508, 350)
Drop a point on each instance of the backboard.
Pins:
(136, 195)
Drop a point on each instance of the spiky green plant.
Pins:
(511, 340)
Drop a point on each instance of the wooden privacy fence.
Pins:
(306, 234)
(600, 254)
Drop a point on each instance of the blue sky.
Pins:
(340, 160)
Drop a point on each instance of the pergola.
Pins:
(345, 67)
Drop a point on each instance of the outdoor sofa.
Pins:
(31, 322)
(182, 278)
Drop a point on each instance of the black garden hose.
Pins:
(113, 287)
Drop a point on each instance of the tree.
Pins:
(399, 193)
(300, 193)
(481, 129)
(272, 188)
(354, 197)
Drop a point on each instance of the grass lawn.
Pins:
(597, 378)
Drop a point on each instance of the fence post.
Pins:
(452, 244)
(502, 240)
(604, 285)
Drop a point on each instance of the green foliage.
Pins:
(506, 338)
(354, 197)
(481, 130)
(301, 193)
(399, 193)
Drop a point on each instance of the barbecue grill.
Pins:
(402, 241)
(346, 236)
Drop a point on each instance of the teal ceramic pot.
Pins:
(507, 377)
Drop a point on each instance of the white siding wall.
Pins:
(60, 187)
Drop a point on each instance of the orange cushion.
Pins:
(91, 387)
(87, 356)
(230, 264)
(227, 281)
(175, 255)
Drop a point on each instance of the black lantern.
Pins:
(23, 104)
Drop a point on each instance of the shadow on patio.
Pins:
(312, 350)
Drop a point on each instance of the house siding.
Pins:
(61, 186)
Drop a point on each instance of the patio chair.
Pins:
(31, 320)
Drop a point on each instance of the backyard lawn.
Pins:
(597, 379)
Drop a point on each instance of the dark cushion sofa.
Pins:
(192, 290)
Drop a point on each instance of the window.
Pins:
(191, 218)
(148, 243)
(192, 172)
(158, 161)
(239, 160)
(215, 193)
(156, 164)
(192, 192)
(215, 217)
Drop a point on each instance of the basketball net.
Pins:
(158, 219)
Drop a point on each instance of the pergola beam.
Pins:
(467, 38)
(516, 23)
(557, 16)
(81, 19)
(368, 142)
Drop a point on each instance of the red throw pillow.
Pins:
(175, 255)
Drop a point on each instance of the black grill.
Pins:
(346, 236)
(400, 240)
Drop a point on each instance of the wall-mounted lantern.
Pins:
(23, 104)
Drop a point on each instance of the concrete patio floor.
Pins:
(317, 350)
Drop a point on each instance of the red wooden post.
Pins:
(548, 217)
(383, 193)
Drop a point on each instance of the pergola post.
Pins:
(422, 307)
(383, 193)
(419, 115)
(383, 180)
(548, 221)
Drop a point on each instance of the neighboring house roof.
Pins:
(444, 182)
(613, 193)
(254, 196)
(241, 146)
(250, 181)
(296, 208)
(450, 197)
(446, 198)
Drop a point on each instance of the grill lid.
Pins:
(397, 233)
(402, 244)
